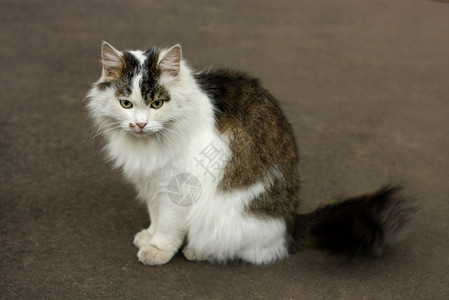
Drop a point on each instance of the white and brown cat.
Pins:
(214, 159)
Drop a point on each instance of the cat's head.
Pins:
(138, 92)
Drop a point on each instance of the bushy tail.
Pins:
(362, 224)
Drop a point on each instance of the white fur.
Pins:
(139, 55)
(225, 231)
(217, 225)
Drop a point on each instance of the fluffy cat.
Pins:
(214, 159)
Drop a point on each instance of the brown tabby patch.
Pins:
(261, 140)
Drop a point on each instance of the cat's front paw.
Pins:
(142, 238)
(153, 256)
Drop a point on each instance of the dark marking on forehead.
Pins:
(132, 68)
(159, 92)
(150, 88)
(123, 84)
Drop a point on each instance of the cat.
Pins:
(214, 159)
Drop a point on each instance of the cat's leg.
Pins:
(226, 237)
(268, 242)
(265, 253)
(167, 238)
(144, 236)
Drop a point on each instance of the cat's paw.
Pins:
(153, 256)
(191, 255)
(142, 238)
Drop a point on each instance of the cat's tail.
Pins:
(361, 224)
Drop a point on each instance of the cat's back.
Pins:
(260, 134)
(232, 92)
(236, 96)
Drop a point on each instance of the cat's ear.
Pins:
(170, 60)
(112, 61)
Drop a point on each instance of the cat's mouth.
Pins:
(140, 133)
(145, 132)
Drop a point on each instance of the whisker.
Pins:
(173, 135)
(112, 137)
(103, 131)
(157, 136)
(169, 136)
(104, 124)
(101, 127)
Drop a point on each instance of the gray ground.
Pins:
(364, 83)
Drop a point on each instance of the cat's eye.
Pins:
(126, 103)
(157, 104)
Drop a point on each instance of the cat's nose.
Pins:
(141, 125)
